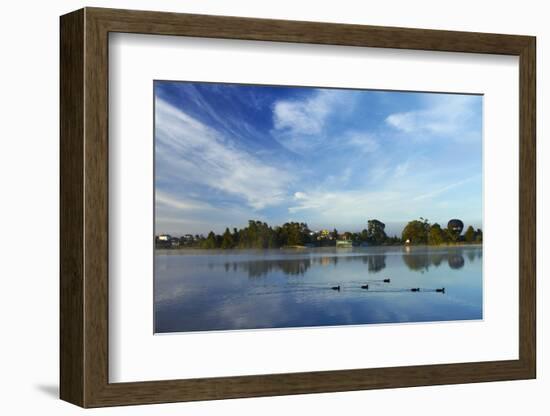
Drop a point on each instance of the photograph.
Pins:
(298, 206)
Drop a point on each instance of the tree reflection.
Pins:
(375, 263)
(416, 259)
(421, 261)
(260, 268)
(437, 259)
(299, 266)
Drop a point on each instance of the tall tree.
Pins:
(470, 235)
(375, 232)
(227, 240)
(479, 235)
(416, 231)
(211, 241)
(436, 235)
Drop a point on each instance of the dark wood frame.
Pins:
(84, 207)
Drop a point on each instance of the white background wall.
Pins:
(29, 160)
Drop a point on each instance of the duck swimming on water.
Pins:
(442, 290)
(386, 280)
(415, 289)
(336, 288)
(365, 287)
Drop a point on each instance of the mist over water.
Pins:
(205, 290)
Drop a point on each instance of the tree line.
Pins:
(260, 235)
(422, 232)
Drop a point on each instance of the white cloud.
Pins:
(351, 204)
(399, 201)
(363, 142)
(445, 188)
(402, 169)
(177, 223)
(446, 115)
(303, 117)
(179, 204)
(187, 151)
(300, 125)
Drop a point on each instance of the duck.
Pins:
(336, 288)
(415, 289)
(386, 280)
(442, 290)
(365, 287)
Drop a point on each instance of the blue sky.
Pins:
(227, 153)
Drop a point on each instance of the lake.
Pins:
(206, 290)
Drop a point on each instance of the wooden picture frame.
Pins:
(84, 207)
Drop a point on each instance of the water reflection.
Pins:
(418, 260)
(299, 266)
(198, 290)
(456, 261)
(375, 263)
(422, 259)
(260, 268)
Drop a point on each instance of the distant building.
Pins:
(165, 241)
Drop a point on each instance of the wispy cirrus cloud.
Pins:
(361, 141)
(188, 151)
(445, 188)
(445, 115)
(352, 205)
(219, 160)
(171, 201)
(403, 198)
(303, 117)
(302, 124)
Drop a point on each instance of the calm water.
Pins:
(197, 290)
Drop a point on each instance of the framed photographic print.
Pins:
(255, 207)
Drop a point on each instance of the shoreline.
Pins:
(304, 248)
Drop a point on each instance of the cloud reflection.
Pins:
(206, 291)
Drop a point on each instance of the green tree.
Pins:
(293, 234)
(436, 235)
(416, 231)
(235, 236)
(257, 235)
(470, 235)
(227, 240)
(393, 240)
(479, 236)
(210, 241)
(375, 232)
